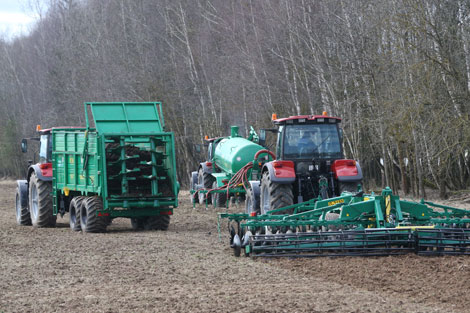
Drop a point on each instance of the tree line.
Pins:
(396, 71)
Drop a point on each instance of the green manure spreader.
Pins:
(123, 166)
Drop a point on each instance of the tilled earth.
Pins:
(187, 269)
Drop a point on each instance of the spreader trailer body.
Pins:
(124, 166)
(352, 225)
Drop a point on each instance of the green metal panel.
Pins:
(126, 117)
(68, 161)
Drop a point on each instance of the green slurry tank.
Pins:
(232, 153)
(122, 166)
(226, 158)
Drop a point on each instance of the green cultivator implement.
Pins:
(352, 225)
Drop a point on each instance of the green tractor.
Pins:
(124, 166)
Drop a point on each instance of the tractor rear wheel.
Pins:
(89, 220)
(74, 211)
(40, 202)
(217, 198)
(274, 195)
(22, 213)
(206, 180)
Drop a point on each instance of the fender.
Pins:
(347, 170)
(39, 173)
(281, 172)
(206, 168)
(254, 185)
(22, 186)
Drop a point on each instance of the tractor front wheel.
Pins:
(40, 202)
(22, 214)
(217, 198)
(274, 195)
(206, 180)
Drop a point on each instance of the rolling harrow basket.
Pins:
(352, 225)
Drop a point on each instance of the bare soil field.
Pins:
(187, 269)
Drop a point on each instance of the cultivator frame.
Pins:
(352, 224)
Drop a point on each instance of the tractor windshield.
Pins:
(307, 141)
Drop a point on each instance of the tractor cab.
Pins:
(309, 151)
(308, 138)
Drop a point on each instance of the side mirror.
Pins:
(262, 137)
(198, 148)
(24, 145)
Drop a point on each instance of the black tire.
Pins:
(206, 180)
(40, 202)
(22, 213)
(89, 220)
(74, 213)
(274, 195)
(137, 223)
(251, 205)
(163, 222)
(220, 199)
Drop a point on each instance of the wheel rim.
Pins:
(18, 208)
(34, 201)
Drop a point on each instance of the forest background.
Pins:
(396, 71)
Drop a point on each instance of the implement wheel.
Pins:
(22, 213)
(206, 180)
(274, 195)
(89, 220)
(40, 202)
(74, 211)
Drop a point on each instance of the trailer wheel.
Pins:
(220, 199)
(40, 202)
(206, 180)
(163, 222)
(22, 213)
(274, 195)
(74, 211)
(89, 220)
(137, 223)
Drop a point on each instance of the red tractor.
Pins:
(33, 194)
(309, 163)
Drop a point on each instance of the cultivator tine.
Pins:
(443, 241)
(338, 243)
